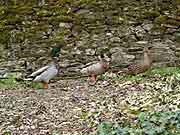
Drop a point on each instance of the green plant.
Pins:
(156, 123)
(8, 83)
(33, 85)
(137, 78)
(55, 133)
(36, 85)
(166, 71)
(106, 129)
(7, 133)
(11, 82)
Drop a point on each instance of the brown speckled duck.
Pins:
(146, 63)
(97, 68)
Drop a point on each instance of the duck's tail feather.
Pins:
(123, 71)
(84, 71)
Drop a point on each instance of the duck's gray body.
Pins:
(45, 74)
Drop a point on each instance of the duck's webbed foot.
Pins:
(93, 79)
(45, 85)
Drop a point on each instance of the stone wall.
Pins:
(28, 29)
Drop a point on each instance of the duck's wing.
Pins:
(89, 64)
(92, 69)
(129, 69)
(47, 74)
(83, 69)
(39, 71)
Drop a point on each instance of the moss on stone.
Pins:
(178, 2)
(4, 37)
(177, 37)
(162, 19)
(3, 9)
(177, 54)
(33, 21)
(173, 22)
(62, 18)
(151, 14)
(12, 20)
(44, 13)
(156, 29)
(84, 3)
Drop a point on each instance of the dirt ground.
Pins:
(56, 110)
(73, 107)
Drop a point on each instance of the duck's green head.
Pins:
(56, 49)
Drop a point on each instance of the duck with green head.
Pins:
(48, 72)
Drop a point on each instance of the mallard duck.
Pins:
(97, 68)
(46, 73)
(146, 63)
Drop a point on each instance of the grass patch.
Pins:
(12, 82)
(9, 82)
(154, 72)
(137, 78)
(33, 85)
(165, 71)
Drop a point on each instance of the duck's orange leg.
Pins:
(93, 78)
(45, 85)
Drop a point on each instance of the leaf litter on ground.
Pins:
(75, 107)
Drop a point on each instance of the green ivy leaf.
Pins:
(7, 133)
(141, 117)
(55, 133)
